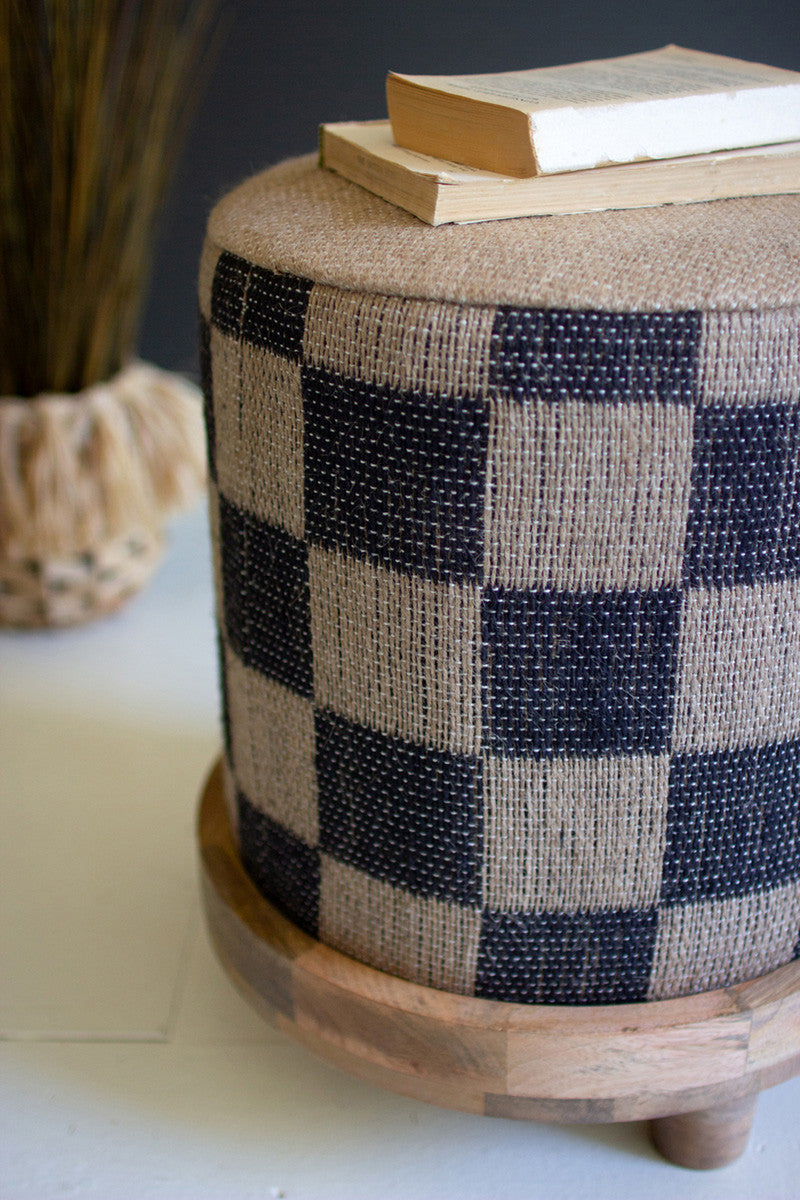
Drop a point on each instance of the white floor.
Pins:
(130, 1069)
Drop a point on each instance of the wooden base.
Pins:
(693, 1065)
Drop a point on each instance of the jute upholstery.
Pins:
(506, 524)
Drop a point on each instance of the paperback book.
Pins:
(438, 191)
(660, 104)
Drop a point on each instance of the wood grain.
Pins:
(704, 1057)
(709, 1138)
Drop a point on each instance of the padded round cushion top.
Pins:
(732, 254)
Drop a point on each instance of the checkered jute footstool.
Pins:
(506, 525)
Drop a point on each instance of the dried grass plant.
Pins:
(96, 449)
(94, 99)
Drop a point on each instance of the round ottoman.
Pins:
(506, 525)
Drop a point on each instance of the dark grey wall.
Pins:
(283, 68)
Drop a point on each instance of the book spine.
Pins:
(384, 179)
(444, 126)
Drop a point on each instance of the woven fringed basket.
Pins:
(506, 522)
(87, 481)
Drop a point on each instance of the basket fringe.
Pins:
(77, 471)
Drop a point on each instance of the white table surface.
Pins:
(129, 1067)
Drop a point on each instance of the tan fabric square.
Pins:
(258, 416)
(750, 357)
(216, 546)
(272, 731)
(396, 652)
(417, 938)
(208, 265)
(717, 942)
(575, 833)
(407, 345)
(739, 667)
(584, 495)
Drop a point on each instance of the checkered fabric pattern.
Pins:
(509, 608)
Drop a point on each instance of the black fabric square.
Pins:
(206, 383)
(556, 354)
(227, 292)
(274, 312)
(258, 306)
(225, 708)
(733, 823)
(399, 812)
(283, 868)
(584, 673)
(744, 516)
(266, 598)
(395, 477)
(600, 957)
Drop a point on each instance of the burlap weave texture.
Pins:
(508, 593)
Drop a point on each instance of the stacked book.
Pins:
(670, 126)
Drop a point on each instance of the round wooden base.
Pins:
(694, 1066)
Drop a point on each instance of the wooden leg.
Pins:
(709, 1138)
